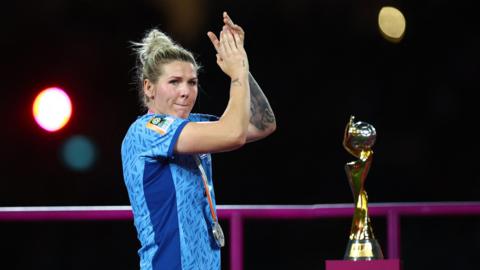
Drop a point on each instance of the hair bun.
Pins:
(154, 43)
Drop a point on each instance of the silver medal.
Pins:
(218, 234)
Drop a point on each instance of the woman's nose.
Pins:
(185, 90)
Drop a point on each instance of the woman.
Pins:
(166, 152)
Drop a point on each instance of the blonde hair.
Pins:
(155, 50)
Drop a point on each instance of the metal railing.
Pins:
(236, 214)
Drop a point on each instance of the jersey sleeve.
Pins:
(162, 134)
(201, 117)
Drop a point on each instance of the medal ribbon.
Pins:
(205, 184)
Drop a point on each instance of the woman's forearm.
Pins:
(235, 118)
(261, 114)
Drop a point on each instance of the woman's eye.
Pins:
(193, 83)
(174, 82)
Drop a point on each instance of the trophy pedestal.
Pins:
(394, 264)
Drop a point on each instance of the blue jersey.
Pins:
(170, 209)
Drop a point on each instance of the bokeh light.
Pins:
(78, 153)
(392, 24)
(52, 109)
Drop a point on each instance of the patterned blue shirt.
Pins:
(170, 209)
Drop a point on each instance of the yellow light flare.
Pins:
(392, 24)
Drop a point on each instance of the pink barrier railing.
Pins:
(237, 213)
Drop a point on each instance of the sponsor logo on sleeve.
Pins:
(160, 124)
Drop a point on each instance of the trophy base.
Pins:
(363, 250)
(394, 264)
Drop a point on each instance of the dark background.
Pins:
(317, 61)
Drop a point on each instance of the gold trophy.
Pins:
(358, 140)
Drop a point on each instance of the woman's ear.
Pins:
(148, 89)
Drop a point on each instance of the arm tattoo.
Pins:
(236, 82)
(261, 113)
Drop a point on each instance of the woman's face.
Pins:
(175, 91)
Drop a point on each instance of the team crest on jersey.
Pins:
(160, 124)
